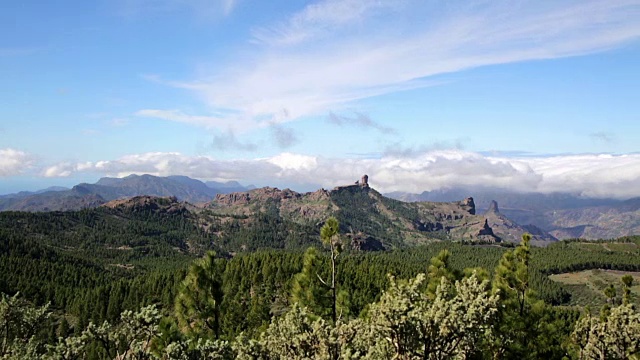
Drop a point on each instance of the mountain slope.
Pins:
(182, 187)
(561, 215)
(600, 222)
(508, 229)
(364, 214)
(74, 199)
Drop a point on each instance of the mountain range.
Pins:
(547, 216)
(106, 189)
(371, 220)
(273, 217)
(561, 215)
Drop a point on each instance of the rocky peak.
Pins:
(486, 233)
(318, 195)
(364, 181)
(233, 198)
(469, 205)
(493, 207)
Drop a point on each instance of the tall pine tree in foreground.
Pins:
(310, 289)
(197, 305)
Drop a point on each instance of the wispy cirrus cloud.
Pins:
(360, 120)
(333, 53)
(592, 175)
(602, 136)
(229, 142)
(14, 162)
(219, 122)
(321, 19)
(284, 137)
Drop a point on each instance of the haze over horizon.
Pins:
(527, 96)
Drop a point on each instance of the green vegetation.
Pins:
(93, 266)
(587, 287)
(464, 316)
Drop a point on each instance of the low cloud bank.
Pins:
(592, 175)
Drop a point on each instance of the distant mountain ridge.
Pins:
(562, 215)
(371, 220)
(106, 189)
(23, 194)
(508, 199)
(548, 216)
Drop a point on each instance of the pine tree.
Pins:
(197, 305)
(307, 290)
(63, 327)
(523, 329)
(438, 268)
(310, 289)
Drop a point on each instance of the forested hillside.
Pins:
(95, 265)
(91, 266)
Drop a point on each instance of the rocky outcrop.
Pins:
(364, 181)
(428, 226)
(363, 242)
(469, 205)
(257, 195)
(486, 233)
(486, 229)
(511, 231)
(240, 198)
(493, 207)
(169, 205)
(318, 195)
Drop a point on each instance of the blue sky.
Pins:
(525, 95)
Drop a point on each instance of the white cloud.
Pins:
(164, 164)
(332, 53)
(296, 162)
(321, 18)
(61, 170)
(590, 175)
(221, 122)
(14, 162)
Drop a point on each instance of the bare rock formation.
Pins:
(469, 205)
(364, 181)
(363, 242)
